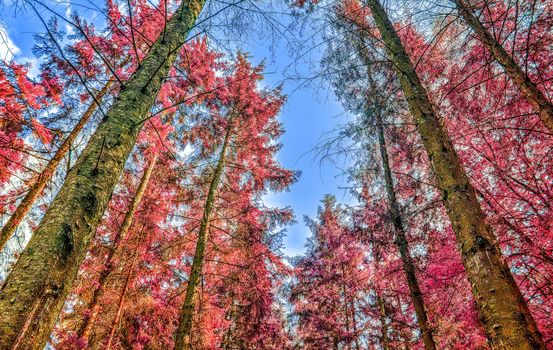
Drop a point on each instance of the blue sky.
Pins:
(308, 114)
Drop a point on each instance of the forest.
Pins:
(276, 175)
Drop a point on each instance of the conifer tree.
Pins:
(508, 324)
(34, 292)
(527, 87)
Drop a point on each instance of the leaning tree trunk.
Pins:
(527, 87)
(36, 188)
(34, 292)
(399, 231)
(182, 339)
(94, 306)
(502, 308)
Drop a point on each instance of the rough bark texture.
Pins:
(94, 306)
(35, 291)
(36, 189)
(527, 87)
(182, 339)
(502, 308)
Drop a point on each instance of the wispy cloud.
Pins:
(7, 47)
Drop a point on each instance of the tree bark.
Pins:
(36, 188)
(527, 87)
(502, 308)
(403, 245)
(400, 239)
(34, 292)
(94, 306)
(182, 340)
(383, 322)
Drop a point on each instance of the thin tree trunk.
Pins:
(36, 188)
(34, 292)
(527, 87)
(403, 336)
(403, 245)
(120, 304)
(383, 322)
(94, 305)
(399, 231)
(502, 308)
(349, 309)
(182, 340)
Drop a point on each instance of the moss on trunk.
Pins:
(35, 291)
(502, 308)
(88, 321)
(36, 188)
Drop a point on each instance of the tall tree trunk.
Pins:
(400, 240)
(182, 340)
(403, 245)
(120, 304)
(34, 292)
(383, 321)
(527, 87)
(36, 188)
(502, 308)
(94, 306)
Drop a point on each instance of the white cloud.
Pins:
(7, 47)
(35, 65)
(68, 27)
(8, 51)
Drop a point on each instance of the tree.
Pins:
(78, 64)
(523, 81)
(244, 130)
(46, 174)
(22, 99)
(331, 284)
(255, 321)
(46, 269)
(491, 280)
(375, 107)
(501, 146)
